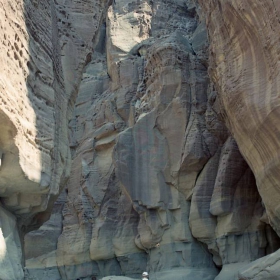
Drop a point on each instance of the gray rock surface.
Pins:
(42, 57)
(11, 252)
(244, 50)
(263, 268)
(149, 149)
(110, 104)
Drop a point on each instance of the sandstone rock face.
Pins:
(11, 252)
(27, 131)
(113, 101)
(244, 67)
(155, 173)
(127, 207)
(264, 268)
(42, 55)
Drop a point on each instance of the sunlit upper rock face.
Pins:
(42, 53)
(244, 65)
(112, 101)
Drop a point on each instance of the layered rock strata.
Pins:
(157, 182)
(121, 90)
(42, 57)
(126, 205)
(244, 55)
(27, 133)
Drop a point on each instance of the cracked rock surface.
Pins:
(122, 130)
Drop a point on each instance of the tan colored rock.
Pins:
(244, 69)
(244, 54)
(157, 182)
(42, 57)
(127, 193)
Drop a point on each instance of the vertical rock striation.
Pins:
(244, 55)
(157, 182)
(112, 101)
(42, 54)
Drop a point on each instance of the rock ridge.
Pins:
(131, 142)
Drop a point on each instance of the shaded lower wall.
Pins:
(157, 181)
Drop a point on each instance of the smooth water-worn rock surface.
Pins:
(146, 145)
(244, 66)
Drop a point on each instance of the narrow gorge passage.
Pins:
(123, 133)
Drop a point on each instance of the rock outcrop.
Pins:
(149, 151)
(29, 183)
(42, 57)
(119, 107)
(138, 141)
(244, 67)
(244, 55)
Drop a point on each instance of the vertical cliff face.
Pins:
(114, 102)
(42, 57)
(139, 141)
(244, 65)
(27, 132)
(157, 182)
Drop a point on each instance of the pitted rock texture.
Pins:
(157, 183)
(42, 57)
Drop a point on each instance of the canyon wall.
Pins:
(123, 109)
(42, 57)
(244, 65)
(28, 130)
